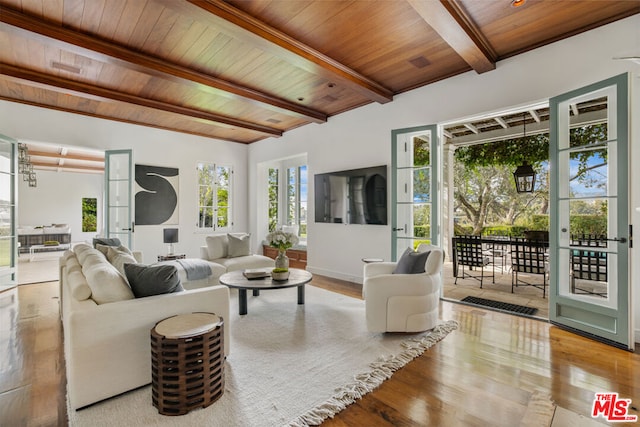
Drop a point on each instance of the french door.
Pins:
(415, 209)
(8, 197)
(118, 195)
(589, 283)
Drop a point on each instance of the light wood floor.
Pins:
(484, 373)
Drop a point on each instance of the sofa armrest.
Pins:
(137, 255)
(109, 321)
(388, 285)
(204, 252)
(108, 347)
(378, 268)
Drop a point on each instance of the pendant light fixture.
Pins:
(525, 176)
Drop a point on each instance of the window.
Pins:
(214, 197)
(273, 198)
(89, 214)
(297, 198)
(287, 196)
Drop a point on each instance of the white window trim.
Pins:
(214, 227)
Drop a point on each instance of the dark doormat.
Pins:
(505, 306)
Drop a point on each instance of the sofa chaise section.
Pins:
(107, 346)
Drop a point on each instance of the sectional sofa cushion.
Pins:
(147, 280)
(239, 245)
(105, 248)
(78, 285)
(118, 258)
(217, 246)
(106, 283)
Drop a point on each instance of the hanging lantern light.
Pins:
(525, 176)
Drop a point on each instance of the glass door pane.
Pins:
(8, 240)
(589, 282)
(118, 175)
(414, 190)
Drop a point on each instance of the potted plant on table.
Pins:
(282, 241)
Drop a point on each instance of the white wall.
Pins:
(150, 146)
(362, 137)
(46, 204)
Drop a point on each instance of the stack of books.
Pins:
(256, 273)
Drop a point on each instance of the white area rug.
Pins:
(289, 364)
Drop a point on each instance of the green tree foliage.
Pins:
(483, 177)
(273, 198)
(89, 214)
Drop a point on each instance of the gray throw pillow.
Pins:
(239, 245)
(147, 280)
(107, 242)
(411, 262)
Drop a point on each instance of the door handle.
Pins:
(617, 239)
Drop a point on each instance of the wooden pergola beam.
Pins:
(104, 51)
(65, 156)
(245, 27)
(78, 167)
(102, 94)
(450, 21)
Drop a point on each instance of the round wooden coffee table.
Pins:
(236, 279)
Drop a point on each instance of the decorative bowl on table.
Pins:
(279, 275)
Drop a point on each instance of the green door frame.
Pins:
(434, 234)
(123, 231)
(605, 323)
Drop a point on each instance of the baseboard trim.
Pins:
(334, 275)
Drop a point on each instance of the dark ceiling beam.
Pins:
(118, 119)
(102, 94)
(245, 27)
(451, 22)
(104, 51)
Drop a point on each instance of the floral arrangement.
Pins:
(281, 239)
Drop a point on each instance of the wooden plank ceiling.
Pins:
(245, 70)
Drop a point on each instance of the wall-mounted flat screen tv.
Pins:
(355, 196)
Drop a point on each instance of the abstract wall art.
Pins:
(156, 195)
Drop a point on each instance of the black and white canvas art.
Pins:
(156, 195)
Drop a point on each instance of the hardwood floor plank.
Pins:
(486, 372)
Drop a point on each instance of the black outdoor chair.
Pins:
(529, 257)
(467, 250)
(588, 264)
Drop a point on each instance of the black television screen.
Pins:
(356, 196)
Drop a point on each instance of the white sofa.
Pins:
(233, 252)
(403, 302)
(107, 345)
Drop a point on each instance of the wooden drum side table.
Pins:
(187, 362)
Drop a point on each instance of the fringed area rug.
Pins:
(289, 365)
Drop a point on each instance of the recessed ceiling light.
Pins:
(518, 3)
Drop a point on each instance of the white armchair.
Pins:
(403, 302)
